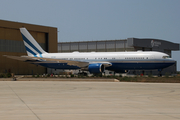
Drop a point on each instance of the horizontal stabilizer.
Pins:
(25, 59)
(18, 57)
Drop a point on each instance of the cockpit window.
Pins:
(166, 57)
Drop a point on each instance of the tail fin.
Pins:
(32, 47)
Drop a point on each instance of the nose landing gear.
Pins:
(160, 74)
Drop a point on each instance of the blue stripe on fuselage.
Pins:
(139, 66)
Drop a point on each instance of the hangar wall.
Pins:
(11, 43)
(96, 46)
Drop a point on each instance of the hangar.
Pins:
(11, 43)
(129, 44)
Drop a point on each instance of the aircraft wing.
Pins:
(72, 62)
(50, 60)
(69, 62)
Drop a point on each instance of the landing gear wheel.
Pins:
(82, 73)
(160, 74)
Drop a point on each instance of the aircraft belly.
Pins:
(138, 66)
(58, 66)
(116, 65)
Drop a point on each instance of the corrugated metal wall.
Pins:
(97, 46)
(11, 43)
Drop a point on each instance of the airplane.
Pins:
(94, 62)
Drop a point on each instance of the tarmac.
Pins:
(70, 100)
(62, 79)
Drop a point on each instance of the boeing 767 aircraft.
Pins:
(94, 62)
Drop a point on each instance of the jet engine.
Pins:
(96, 68)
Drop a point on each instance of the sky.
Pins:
(88, 20)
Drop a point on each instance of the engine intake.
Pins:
(96, 68)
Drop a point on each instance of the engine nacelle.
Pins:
(96, 68)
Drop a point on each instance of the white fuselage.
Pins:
(119, 61)
(108, 56)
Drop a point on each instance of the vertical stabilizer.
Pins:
(32, 47)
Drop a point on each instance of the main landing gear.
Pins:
(82, 73)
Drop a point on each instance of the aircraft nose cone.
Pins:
(173, 62)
